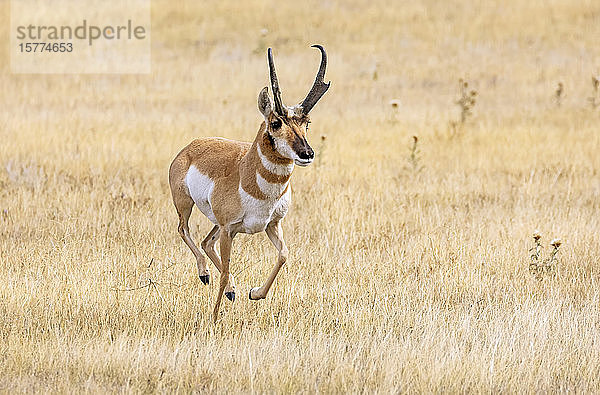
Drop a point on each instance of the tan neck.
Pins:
(264, 174)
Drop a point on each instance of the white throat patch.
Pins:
(272, 191)
(280, 170)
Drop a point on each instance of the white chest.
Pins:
(257, 213)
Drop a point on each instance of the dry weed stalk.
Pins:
(149, 286)
(395, 104)
(539, 266)
(595, 98)
(375, 71)
(414, 158)
(559, 94)
(320, 161)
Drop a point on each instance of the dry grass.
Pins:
(396, 281)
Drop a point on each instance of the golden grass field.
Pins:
(397, 280)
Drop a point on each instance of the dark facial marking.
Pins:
(301, 147)
(271, 139)
(276, 123)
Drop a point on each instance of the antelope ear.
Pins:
(264, 102)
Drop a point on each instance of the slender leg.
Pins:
(208, 245)
(184, 210)
(226, 240)
(275, 234)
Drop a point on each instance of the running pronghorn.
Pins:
(244, 187)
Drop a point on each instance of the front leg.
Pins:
(275, 234)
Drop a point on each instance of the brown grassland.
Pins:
(398, 280)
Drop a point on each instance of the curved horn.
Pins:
(279, 107)
(319, 87)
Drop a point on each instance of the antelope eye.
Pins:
(276, 124)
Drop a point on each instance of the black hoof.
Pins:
(250, 295)
(230, 296)
(205, 279)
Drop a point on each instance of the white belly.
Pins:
(259, 213)
(201, 187)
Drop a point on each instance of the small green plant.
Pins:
(595, 98)
(539, 266)
(466, 102)
(559, 94)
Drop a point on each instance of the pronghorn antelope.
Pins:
(244, 187)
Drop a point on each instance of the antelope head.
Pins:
(287, 127)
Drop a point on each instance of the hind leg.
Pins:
(226, 238)
(208, 245)
(184, 210)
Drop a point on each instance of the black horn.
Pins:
(319, 87)
(279, 107)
